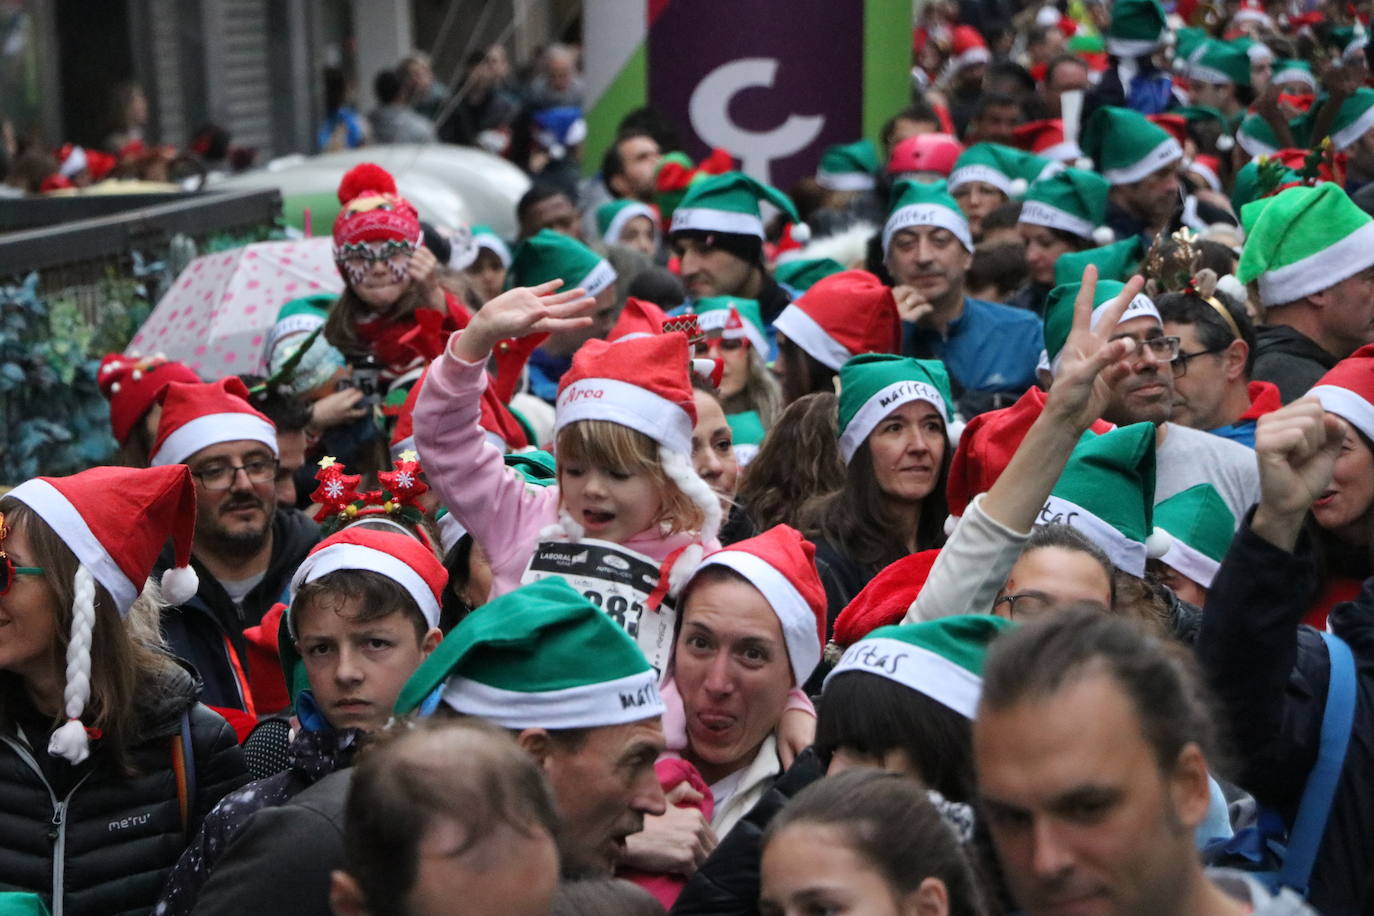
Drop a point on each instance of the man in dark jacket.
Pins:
(1271, 675)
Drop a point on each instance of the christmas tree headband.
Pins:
(395, 503)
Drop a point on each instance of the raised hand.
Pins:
(520, 312)
(1090, 362)
(423, 268)
(1296, 447)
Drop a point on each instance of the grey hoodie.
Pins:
(1246, 889)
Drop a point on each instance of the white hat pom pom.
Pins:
(801, 233)
(1083, 162)
(1018, 186)
(1158, 543)
(179, 585)
(1103, 235)
(951, 522)
(136, 375)
(1226, 143)
(70, 742)
(114, 388)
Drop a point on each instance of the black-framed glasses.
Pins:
(1026, 606)
(1164, 349)
(1180, 360)
(7, 568)
(221, 476)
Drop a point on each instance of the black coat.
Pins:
(103, 841)
(1289, 359)
(197, 630)
(1271, 677)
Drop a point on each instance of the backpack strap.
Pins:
(1317, 795)
(184, 770)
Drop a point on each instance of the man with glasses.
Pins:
(1213, 390)
(246, 546)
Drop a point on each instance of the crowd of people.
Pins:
(983, 526)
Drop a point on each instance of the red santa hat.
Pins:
(115, 521)
(886, 598)
(967, 47)
(131, 384)
(403, 559)
(373, 211)
(639, 318)
(781, 564)
(1047, 138)
(925, 153)
(198, 415)
(987, 444)
(842, 316)
(1209, 168)
(1347, 390)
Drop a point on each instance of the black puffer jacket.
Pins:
(92, 840)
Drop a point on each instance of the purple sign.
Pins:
(773, 84)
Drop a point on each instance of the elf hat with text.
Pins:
(521, 661)
(1107, 492)
(1125, 146)
(400, 557)
(842, 316)
(549, 255)
(729, 203)
(1200, 528)
(873, 385)
(1116, 261)
(1304, 240)
(781, 564)
(1347, 390)
(1354, 118)
(613, 216)
(1059, 311)
(885, 600)
(1073, 201)
(734, 318)
(1137, 28)
(849, 167)
(1220, 63)
(1006, 168)
(941, 659)
(115, 521)
(918, 203)
(197, 415)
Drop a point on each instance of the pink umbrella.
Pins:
(219, 310)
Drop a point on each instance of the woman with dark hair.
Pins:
(1061, 214)
(799, 460)
(893, 438)
(865, 842)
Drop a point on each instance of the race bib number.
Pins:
(616, 580)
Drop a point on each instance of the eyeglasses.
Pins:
(1026, 606)
(7, 568)
(221, 476)
(1180, 360)
(1163, 349)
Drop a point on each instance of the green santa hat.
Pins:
(873, 385)
(1008, 170)
(1304, 240)
(1107, 492)
(1290, 70)
(1351, 39)
(803, 273)
(942, 659)
(849, 167)
(1220, 62)
(1059, 312)
(1117, 261)
(1137, 28)
(486, 237)
(1188, 40)
(730, 203)
(734, 318)
(1073, 201)
(613, 216)
(522, 661)
(1125, 146)
(549, 255)
(1256, 137)
(1200, 528)
(1354, 119)
(919, 203)
(1246, 186)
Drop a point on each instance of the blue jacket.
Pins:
(990, 347)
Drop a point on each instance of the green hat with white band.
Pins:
(549, 255)
(1125, 146)
(522, 661)
(1304, 240)
(1059, 311)
(735, 318)
(1116, 261)
(1187, 40)
(729, 203)
(1354, 119)
(849, 167)
(873, 385)
(1219, 62)
(942, 659)
(1290, 70)
(1256, 137)
(1073, 201)
(486, 237)
(803, 273)
(1351, 39)
(1007, 169)
(1107, 492)
(919, 203)
(1200, 527)
(614, 215)
(1137, 28)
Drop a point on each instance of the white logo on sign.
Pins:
(709, 110)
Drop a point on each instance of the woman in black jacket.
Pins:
(107, 762)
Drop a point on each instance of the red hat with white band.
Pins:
(199, 415)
